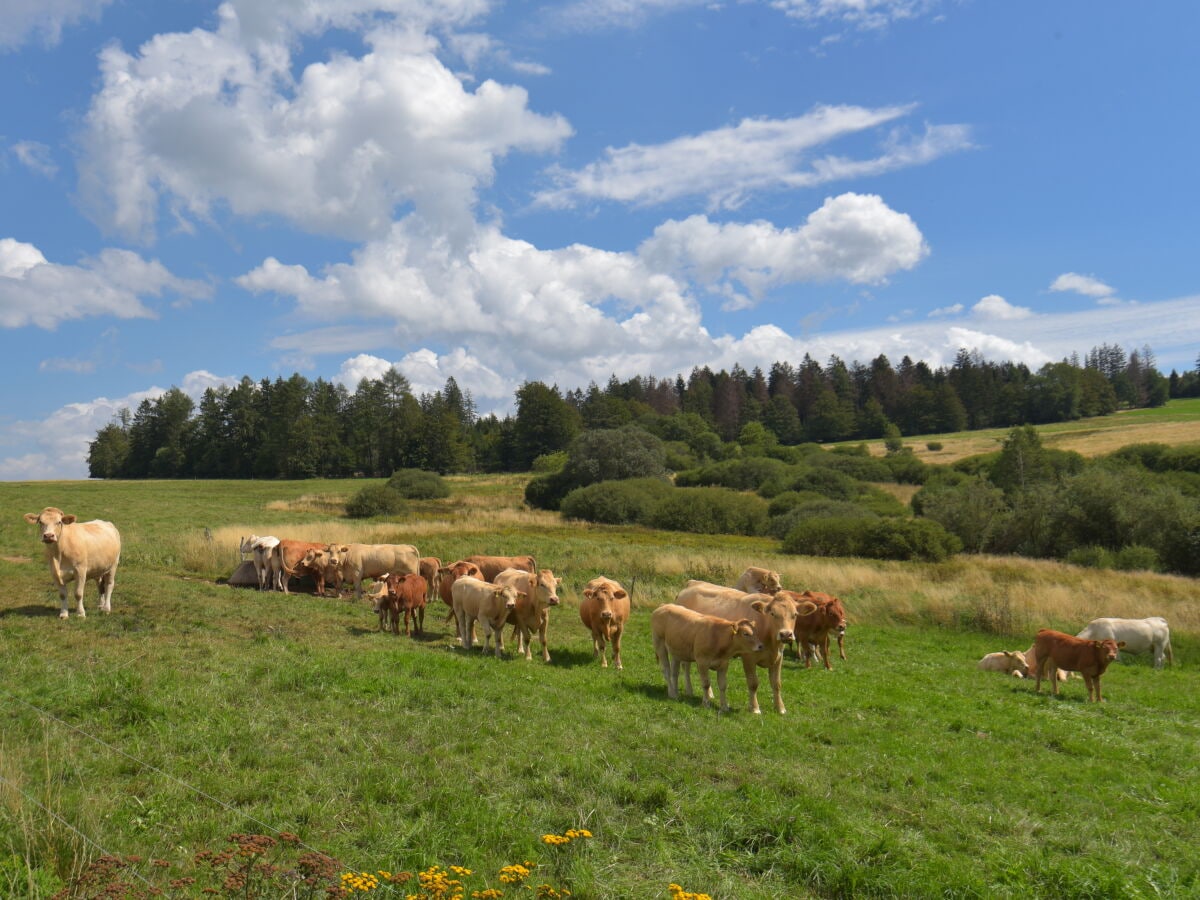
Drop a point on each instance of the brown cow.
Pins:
(291, 558)
(813, 629)
(684, 636)
(491, 566)
(406, 594)
(604, 611)
(427, 568)
(536, 594)
(446, 576)
(1031, 665)
(1088, 658)
(79, 551)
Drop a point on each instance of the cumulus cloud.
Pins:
(727, 164)
(952, 310)
(1087, 285)
(205, 121)
(993, 306)
(36, 157)
(43, 19)
(34, 291)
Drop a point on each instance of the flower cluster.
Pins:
(678, 893)
(516, 873)
(558, 840)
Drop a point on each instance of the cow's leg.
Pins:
(616, 642)
(80, 584)
(543, 627)
(687, 675)
(751, 669)
(706, 693)
(722, 671)
(664, 663)
(107, 582)
(776, 675)
(420, 620)
(842, 646)
(825, 652)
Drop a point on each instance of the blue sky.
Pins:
(195, 191)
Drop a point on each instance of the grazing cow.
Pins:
(291, 560)
(535, 595)
(756, 580)
(446, 576)
(604, 612)
(79, 551)
(774, 621)
(354, 562)
(1010, 662)
(1139, 636)
(490, 603)
(813, 629)
(427, 567)
(1088, 658)
(684, 636)
(1031, 660)
(267, 565)
(407, 595)
(491, 566)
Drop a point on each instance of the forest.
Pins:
(295, 428)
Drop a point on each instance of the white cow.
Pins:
(268, 564)
(354, 562)
(1139, 636)
(490, 603)
(79, 551)
(1010, 662)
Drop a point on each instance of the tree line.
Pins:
(296, 428)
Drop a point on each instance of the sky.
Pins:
(192, 192)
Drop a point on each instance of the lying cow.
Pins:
(79, 552)
(488, 603)
(1010, 662)
(684, 636)
(406, 596)
(1088, 658)
(268, 566)
(757, 580)
(491, 566)
(1138, 635)
(535, 595)
(604, 612)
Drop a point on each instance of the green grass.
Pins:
(903, 772)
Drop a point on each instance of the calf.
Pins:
(490, 603)
(445, 578)
(291, 560)
(535, 595)
(1139, 636)
(813, 629)
(407, 595)
(1010, 662)
(757, 580)
(1088, 658)
(491, 566)
(1031, 661)
(427, 568)
(267, 566)
(604, 612)
(684, 636)
(79, 552)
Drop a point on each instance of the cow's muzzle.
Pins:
(786, 637)
(50, 538)
(606, 614)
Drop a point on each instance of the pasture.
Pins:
(196, 711)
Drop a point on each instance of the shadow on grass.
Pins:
(32, 611)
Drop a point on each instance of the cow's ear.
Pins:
(620, 595)
(588, 593)
(733, 627)
(31, 518)
(760, 605)
(1120, 644)
(68, 519)
(344, 549)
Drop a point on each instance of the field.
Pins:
(196, 711)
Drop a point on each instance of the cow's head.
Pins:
(604, 595)
(771, 583)
(509, 595)
(50, 521)
(782, 613)
(547, 587)
(247, 544)
(1017, 665)
(462, 567)
(336, 555)
(745, 638)
(1107, 649)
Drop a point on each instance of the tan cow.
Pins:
(446, 576)
(428, 567)
(491, 566)
(757, 580)
(291, 559)
(684, 636)
(535, 595)
(354, 562)
(488, 603)
(1088, 658)
(79, 552)
(1010, 662)
(323, 564)
(774, 621)
(604, 612)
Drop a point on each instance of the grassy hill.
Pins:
(197, 711)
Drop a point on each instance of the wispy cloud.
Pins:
(1087, 285)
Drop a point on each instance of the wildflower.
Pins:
(487, 894)
(678, 893)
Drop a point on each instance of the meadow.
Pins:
(196, 711)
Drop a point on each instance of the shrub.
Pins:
(547, 491)
(602, 454)
(550, 462)
(906, 468)
(375, 500)
(616, 502)
(789, 500)
(818, 508)
(1091, 557)
(881, 502)
(933, 446)
(863, 468)
(745, 474)
(1136, 558)
(417, 484)
(823, 480)
(710, 511)
(907, 539)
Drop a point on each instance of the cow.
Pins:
(406, 594)
(291, 561)
(323, 564)
(684, 636)
(490, 603)
(1010, 662)
(445, 578)
(813, 629)
(427, 567)
(79, 552)
(535, 595)
(757, 580)
(774, 621)
(354, 562)
(1139, 636)
(267, 565)
(1031, 665)
(491, 566)
(1088, 658)
(604, 612)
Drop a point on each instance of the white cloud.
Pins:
(864, 14)
(36, 157)
(45, 19)
(60, 364)
(592, 15)
(952, 310)
(993, 306)
(1087, 285)
(204, 122)
(34, 291)
(727, 164)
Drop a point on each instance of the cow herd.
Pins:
(706, 624)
